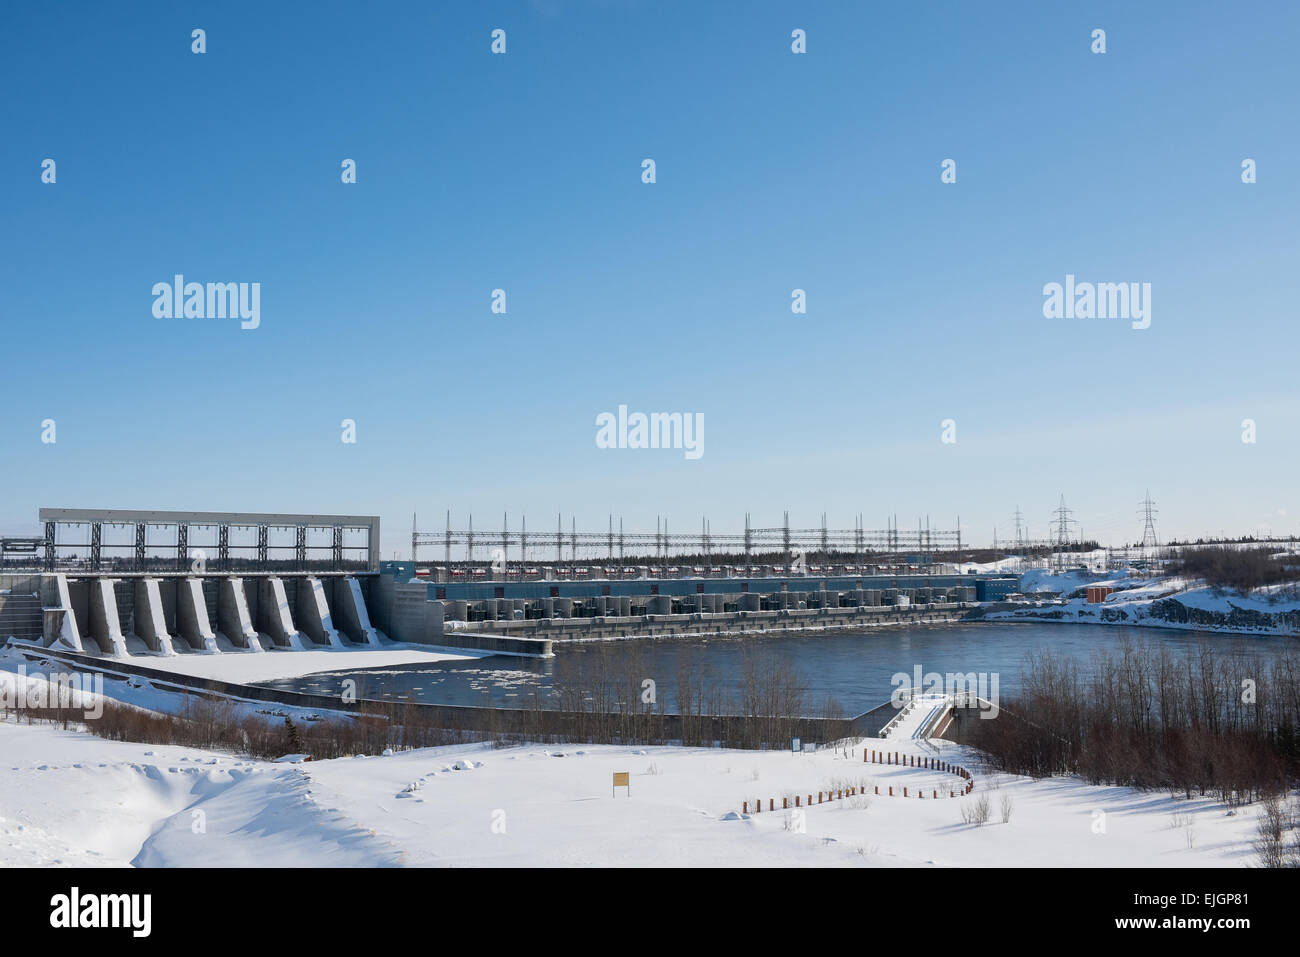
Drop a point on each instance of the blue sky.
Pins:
(775, 171)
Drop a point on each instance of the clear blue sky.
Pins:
(775, 171)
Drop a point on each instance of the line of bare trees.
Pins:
(219, 724)
(599, 697)
(1208, 720)
(604, 696)
(1238, 568)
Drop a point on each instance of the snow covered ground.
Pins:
(1166, 601)
(67, 798)
(243, 667)
(26, 681)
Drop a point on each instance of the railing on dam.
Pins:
(138, 541)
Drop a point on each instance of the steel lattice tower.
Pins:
(1061, 516)
(1149, 510)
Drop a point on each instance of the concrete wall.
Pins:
(192, 621)
(234, 617)
(312, 613)
(381, 602)
(735, 622)
(351, 613)
(411, 618)
(105, 623)
(274, 615)
(21, 607)
(150, 621)
(65, 627)
(170, 589)
(98, 615)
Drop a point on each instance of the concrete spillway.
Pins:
(273, 609)
(314, 613)
(150, 621)
(350, 612)
(192, 616)
(105, 625)
(68, 632)
(233, 617)
(167, 615)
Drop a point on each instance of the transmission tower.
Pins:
(1061, 518)
(1019, 526)
(1149, 510)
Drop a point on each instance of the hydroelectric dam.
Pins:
(158, 584)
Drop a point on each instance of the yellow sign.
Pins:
(621, 780)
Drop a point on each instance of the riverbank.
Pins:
(1169, 602)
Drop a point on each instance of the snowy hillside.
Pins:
(1163, 602)
(69, 798)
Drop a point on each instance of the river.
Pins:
(854, 668)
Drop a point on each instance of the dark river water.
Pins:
(854, 668)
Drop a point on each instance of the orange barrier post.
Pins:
(904, 792)
(771, 804)
(891, 790)
(744, 808)
(785, 803)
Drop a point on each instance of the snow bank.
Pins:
(69, 798)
